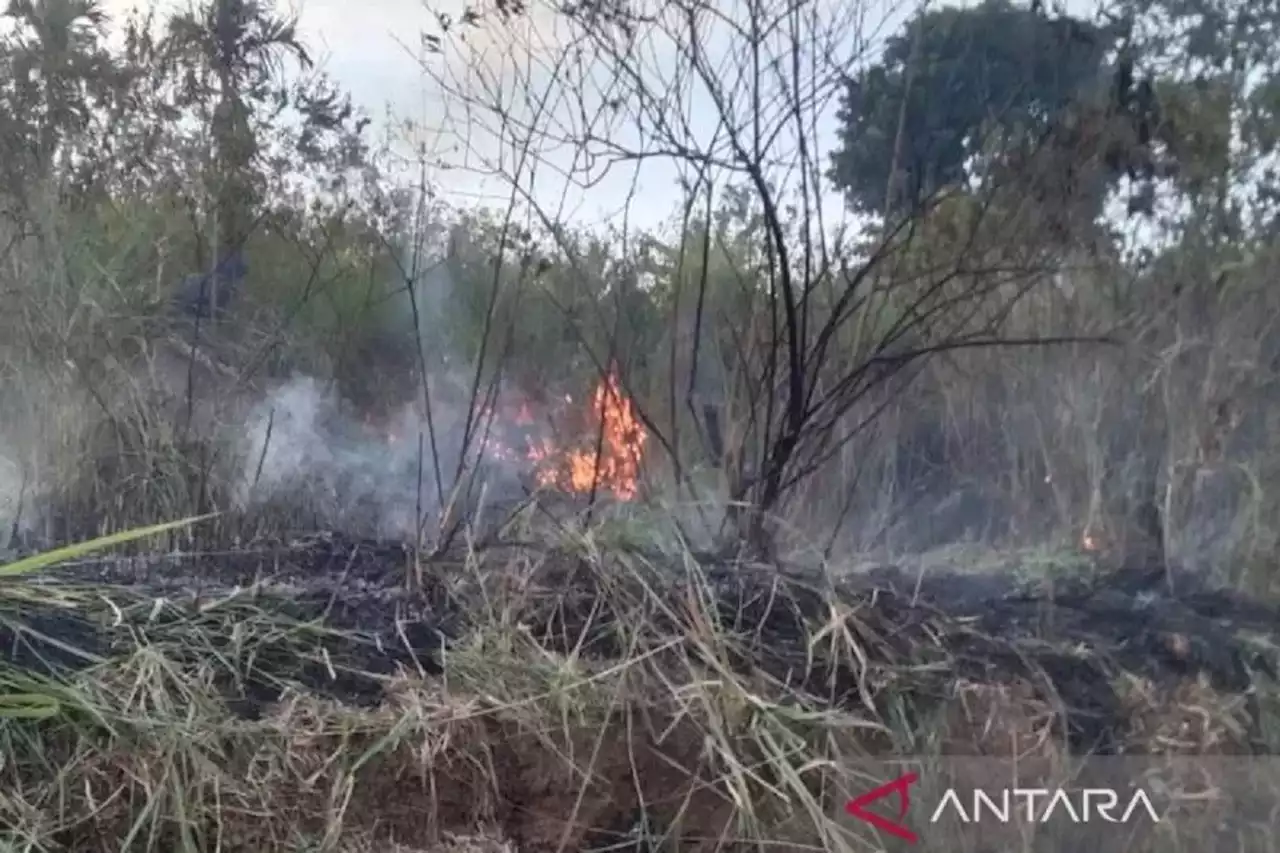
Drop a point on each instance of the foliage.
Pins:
(917, 115)
(128, 164)
(998, 357)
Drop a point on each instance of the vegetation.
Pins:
(1016, 316)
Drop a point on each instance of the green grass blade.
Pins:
(36, 562)
(28, 706)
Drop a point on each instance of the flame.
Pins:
(607, 457)
(612, 459)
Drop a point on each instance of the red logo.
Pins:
(901, 786)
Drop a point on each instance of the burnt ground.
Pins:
(358, 611)
(1126, 662)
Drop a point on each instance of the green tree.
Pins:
(57, 70)
(1220, 92)
(234, 51)
(912, 122)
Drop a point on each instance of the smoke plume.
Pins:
(302, 442)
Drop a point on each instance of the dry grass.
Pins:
(596, 686)
(581, 696)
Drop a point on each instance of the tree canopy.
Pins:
(912, 121)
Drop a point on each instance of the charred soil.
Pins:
(573, 697)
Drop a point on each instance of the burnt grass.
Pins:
(342, 620)
(346, 614)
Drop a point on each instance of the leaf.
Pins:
(28, 706)
(36, 562)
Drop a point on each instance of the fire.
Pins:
(606, 457)
(611, 460)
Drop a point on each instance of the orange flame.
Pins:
(607, 458)
(612, 461)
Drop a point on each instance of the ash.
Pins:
(1071, 638)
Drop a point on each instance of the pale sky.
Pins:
(373, 48)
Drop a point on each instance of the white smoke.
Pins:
(12, 493)
(300, 441)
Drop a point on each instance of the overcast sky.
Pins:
(380, 58)
(374, 49)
